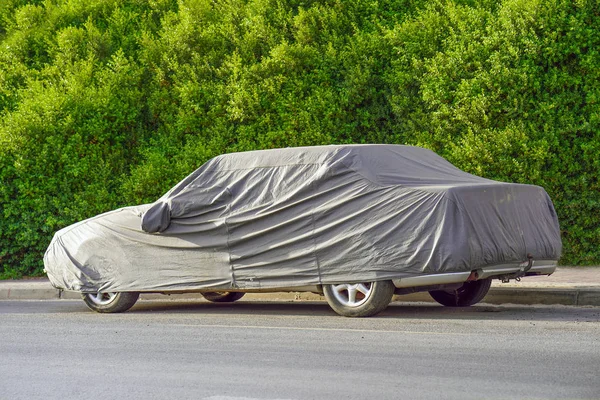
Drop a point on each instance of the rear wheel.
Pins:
(223, 297)
(468, 294)
(110, 302)
(359, 299)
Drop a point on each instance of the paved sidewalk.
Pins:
(573, 286)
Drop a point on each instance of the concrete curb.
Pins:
(570, 296)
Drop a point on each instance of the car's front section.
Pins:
(82, 258)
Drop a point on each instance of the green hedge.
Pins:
(105, 103)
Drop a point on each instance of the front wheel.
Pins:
(110, 302)
(223, 297)
(468, 294)
(359, 299)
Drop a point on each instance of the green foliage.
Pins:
(510, 93)
(105, 103)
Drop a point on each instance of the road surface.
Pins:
(299, 350)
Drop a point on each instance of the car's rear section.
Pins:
(494, 231)
(502, 223)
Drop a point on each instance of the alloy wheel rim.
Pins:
(352, 294)
(102, 299)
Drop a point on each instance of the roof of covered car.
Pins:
(384, 164)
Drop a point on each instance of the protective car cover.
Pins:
(306, 216)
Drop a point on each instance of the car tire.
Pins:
(110, 302)
(223, 297)
(359, 299)
(468, 294)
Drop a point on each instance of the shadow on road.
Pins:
(394, 311)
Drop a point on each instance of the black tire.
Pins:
(223, 297)
(370, 299)
(110, 302)
(468, 294)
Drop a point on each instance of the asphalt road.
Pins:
(197, 350)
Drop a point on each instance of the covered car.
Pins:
(340, 220)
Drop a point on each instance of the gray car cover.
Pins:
(306, 216)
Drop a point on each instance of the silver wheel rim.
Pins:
(102, 299)
(352, 294)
